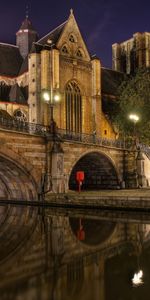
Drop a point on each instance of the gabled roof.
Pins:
(53, 35)
(10, 60)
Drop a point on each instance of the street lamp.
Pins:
(51, 95)
(51, 98)
(135, 118)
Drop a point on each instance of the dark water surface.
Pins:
(69, 254)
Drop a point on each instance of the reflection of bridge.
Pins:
(102, 214)
(32, 159)
(34, 248)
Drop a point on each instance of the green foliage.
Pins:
(134, 98)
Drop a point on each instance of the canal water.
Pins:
(68, 254)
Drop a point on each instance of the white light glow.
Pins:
(137, 279)
(49, 41)
(46, 96)
(134, 117)
(56, 98)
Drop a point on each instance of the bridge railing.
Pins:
(90, 139)
(38, 129)
(22, 126)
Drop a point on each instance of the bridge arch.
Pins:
(100, 172)
(91, 231)
(16, 182)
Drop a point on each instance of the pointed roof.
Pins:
(16, 94)
(53, 35)
(75, 28)
(26, 24)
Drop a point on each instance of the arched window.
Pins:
(73, 101)
(20, 116)
(71, 38)
(64, 50)
(79, 53)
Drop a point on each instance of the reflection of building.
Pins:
(48, 261)
(61, 61)
(132, 54)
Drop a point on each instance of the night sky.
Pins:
(102, 22)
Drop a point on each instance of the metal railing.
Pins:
(38, 129)
(89, 139)
(22, 126)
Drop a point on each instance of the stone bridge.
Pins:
(32, 163)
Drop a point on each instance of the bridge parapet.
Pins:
(53, 155)
(38, 129)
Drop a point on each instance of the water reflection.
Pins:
(60, 254)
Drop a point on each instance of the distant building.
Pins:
(59, 61)
(132, 54)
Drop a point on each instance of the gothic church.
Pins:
(58, 62)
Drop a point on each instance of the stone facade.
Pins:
(56, 62)
(31, 165)
(132, 54)
(36, 160)
(57, 69)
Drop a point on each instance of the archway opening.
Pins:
(99, 173)
(15, 182)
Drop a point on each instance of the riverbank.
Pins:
(132, 199)
(123, 200)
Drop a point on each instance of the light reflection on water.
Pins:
(66, 254)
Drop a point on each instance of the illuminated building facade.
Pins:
(132, 54)
(58, 62)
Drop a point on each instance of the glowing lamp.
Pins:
(137, 278)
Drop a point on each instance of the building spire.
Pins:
(27, 11)
(71, 11)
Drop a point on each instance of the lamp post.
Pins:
(51, 95)
(54, 152)
(135, 118)
(51, 98)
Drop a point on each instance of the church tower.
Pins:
(25, 36)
